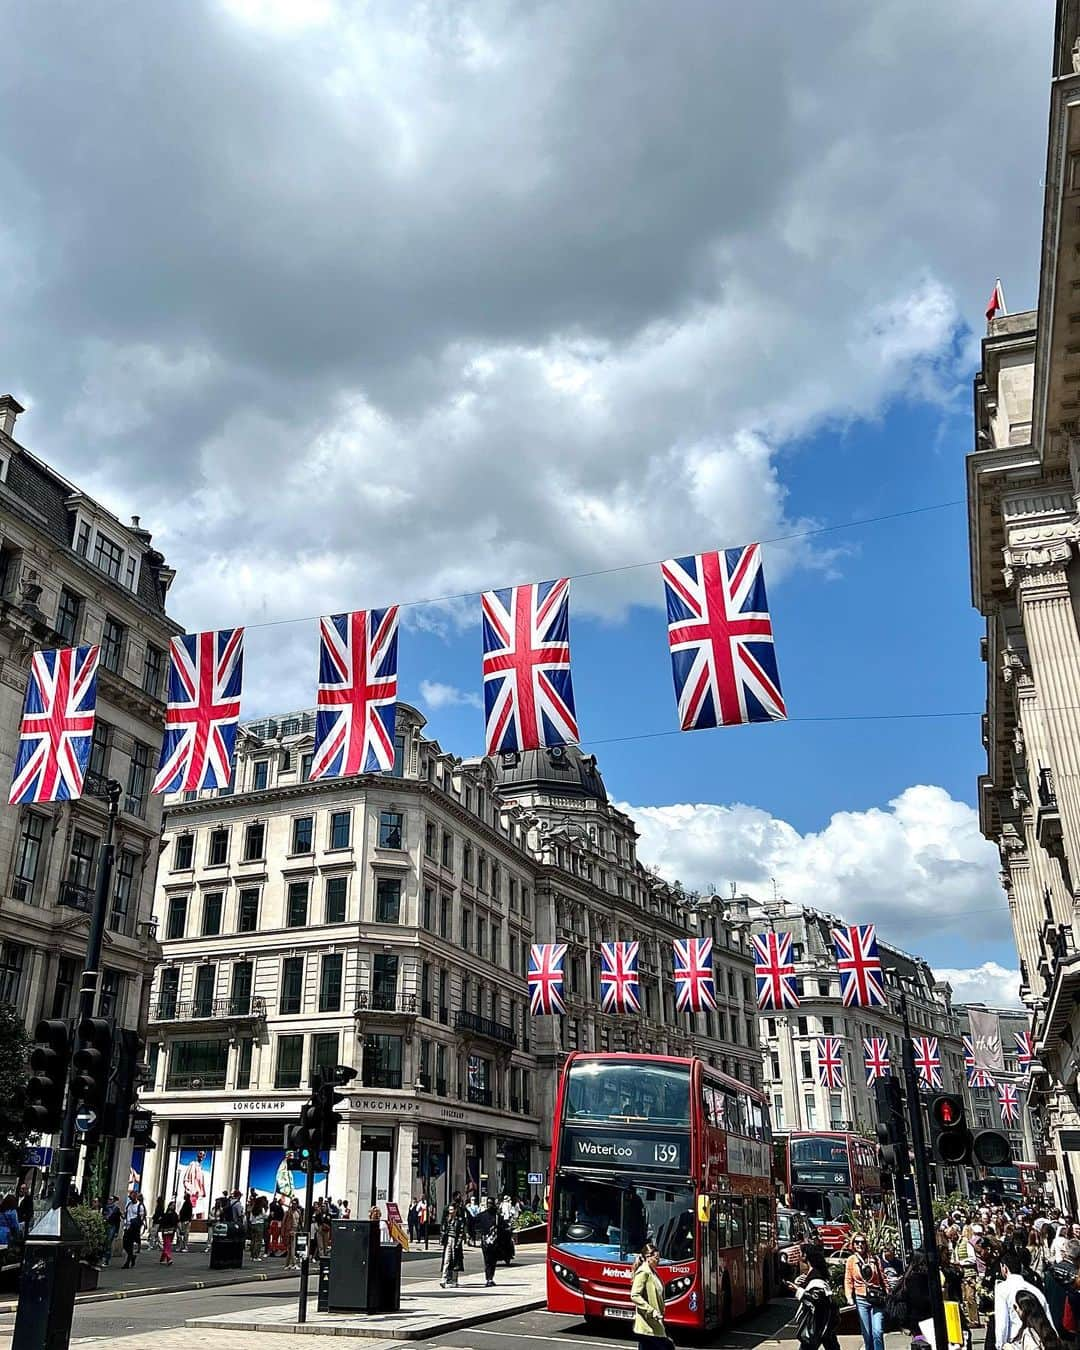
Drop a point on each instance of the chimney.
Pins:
(10, 408)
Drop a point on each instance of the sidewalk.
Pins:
(426, 1310)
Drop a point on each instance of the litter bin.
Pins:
(388, 1291)
(323, 1302)
(226, 1247)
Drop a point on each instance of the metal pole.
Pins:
(305, 1264)
(903, 1219)
(47, 1293)
(922, 1183)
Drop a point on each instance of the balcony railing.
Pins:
(213, 1079)
(74, 896)
(385, 1000)
(196, 1010)
(484, 1026)
(479, 1096)
(1047, 793)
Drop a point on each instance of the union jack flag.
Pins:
(619, 977)
(1025, 1050)
(830, 1063)
(774, 971)
(721, 641)
(977, 1076)
(546, 977)
(57, 726)
(528, 691)
(1009, 1102)
(927, 1060)
(354, 725)
(876, 1058)
(859, 965)
(695, 990)
(206, 671)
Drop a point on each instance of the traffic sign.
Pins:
(536, 1178)
(85, 1120)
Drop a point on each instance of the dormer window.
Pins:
(106, 549)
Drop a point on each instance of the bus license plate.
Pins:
(624, 1314)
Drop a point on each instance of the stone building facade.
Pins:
(1024, 528)
(383, 922)
(71, 573)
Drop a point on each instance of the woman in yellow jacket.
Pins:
(647, 1296)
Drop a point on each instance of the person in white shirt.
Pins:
(1007, 1325)
(1065, 1248)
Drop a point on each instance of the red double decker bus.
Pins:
(828, 1173)
(667, 1150)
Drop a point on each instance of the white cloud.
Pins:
(989, 983)
(916, 869)
(437, 695)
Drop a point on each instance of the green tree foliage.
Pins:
(14, 1071)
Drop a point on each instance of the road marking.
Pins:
(604, 1345)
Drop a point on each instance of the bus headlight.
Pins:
(676, 1288)
(566, 1275)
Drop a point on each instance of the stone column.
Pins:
(405, 1183)
(154, 1179)
(228, 1161)
(1040, 576)
(1019, 883)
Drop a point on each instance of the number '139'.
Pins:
(666, 1153)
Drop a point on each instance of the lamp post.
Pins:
(50, 1269)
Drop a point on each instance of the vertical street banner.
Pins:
(986, 1040)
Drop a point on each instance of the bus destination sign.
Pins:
(665, 1153)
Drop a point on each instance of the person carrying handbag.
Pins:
(647, 1296)
(865, 1287)
(816, 1316)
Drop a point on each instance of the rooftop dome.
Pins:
(562, 770)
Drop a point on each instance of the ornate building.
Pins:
(383, 922)
(71, 573)
(1024, 527)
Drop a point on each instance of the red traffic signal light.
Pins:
(950, 1137)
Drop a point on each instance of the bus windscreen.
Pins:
(609, 1221)
(600, 1090)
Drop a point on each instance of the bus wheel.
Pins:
(594, 1325)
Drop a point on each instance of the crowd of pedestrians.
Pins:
(467, 1222)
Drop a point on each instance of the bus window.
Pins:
(722, 1215)
(738, 1225)
(756, 1130)
(599, 1090)
(611, 1222)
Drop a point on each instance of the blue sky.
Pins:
(354, 304)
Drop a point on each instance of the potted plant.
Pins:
(94, 1237)
(529, 1226)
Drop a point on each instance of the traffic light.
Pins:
(49, 1062)
(891, 1126)
(93, 1060)
(142, 1123)
(950, 1138)
(326, 1099)
(991, 1148)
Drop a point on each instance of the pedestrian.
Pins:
(25, 1208)
(1065, 1248)
(453, 1241)
(114, 1218)
(257, 1226)
(487, 1226)
(412, 1219)
(864, 1286)
(184, 1217)
(891, 1265)
(1036, 1331)
(290, 1227)
(170, 1222)
(345, 1209)
(816, 1316)
(472, 1213)
(1006, 1321)
(154, 1240)
(11, 1233)
(647, 1296)
(134, 1223)
(276, 1217)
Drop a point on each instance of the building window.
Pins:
(387, 900)
(292, 984)
(324, 1052)
(330, 973)
(99, 748)
(28, 858)
(339, 829)
(82, 860)
(774, 1067)
(296, 905)
(176, 919)
(82, 542)
(382, 1062)
(183, 852)
(198, 1064)
(243, 1062)
(337, 891)
(205, 980)
(466, 917)
(112, 645)
(466, 862)
(384, 973)
(290, 1061)
(306, 762)
(262, 775)
(67, 972)
(240, 989)
(481, 873)
(429, 840)
(827, 1025)
(481, 935)
(254, 841)
(398, 770)
(806, 1064)
(218, 848)
(123, 890)
(802, 1026)
(248, 917)
(391, 829)
(211, 913)
(447, 850)
(823, 988)
(109, 557)
(427, 910)
(168, 989)
(138, 783)
(68, 613)
(444, 917)
(303, 832)
(109, 994)
(12, 963)
(153, 665)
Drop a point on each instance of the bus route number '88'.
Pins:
(667, 1154)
